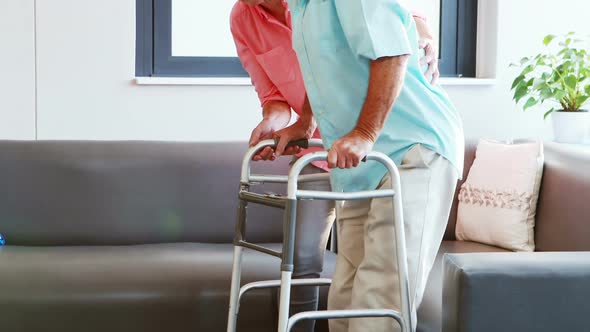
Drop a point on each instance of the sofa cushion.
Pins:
(164, 287)
(430, 310)
(520, 292)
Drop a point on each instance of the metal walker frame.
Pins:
(289, 204)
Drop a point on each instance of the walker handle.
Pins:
(302, 143)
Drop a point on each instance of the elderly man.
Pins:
(262, 32)
(361, 67)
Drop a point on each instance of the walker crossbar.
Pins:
(332, 314)
(277, 283)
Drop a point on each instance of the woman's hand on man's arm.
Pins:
(427, 43)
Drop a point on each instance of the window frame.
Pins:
(457, 56)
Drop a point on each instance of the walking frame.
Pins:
(289, 204)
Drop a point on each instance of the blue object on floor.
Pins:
(2, 241)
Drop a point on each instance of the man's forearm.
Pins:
(385, 83)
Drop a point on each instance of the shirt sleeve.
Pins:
(264, 87)
(374, 28)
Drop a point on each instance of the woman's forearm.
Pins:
(306, 116)
(278, 112)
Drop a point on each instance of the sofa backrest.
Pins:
(470, 148)
(117, 193)
(563, 212)
(563, 209)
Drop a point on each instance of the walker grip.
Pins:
(302, 143)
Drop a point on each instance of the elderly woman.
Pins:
(262, 33)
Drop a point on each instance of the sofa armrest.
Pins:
(516, 292)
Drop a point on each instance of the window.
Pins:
(458, 37)
(170, 35)
(179, 38)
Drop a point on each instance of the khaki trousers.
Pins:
(366, 275)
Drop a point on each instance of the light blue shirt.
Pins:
(335, 41)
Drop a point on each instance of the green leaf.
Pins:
(548, 39)
(530, 103)
(548, 113)
(559, 95)
(527, 70)
(523, 61)
(571, 81)
(520, 92)
(530, 82)
(588, 89)
(567, 66)
(546, 93)
(517, 82)
(581, 100)
(569, 54)
(539, 84)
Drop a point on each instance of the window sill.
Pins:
(456, 81)
(193, 81)
(245, 81)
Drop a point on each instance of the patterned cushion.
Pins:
(497, 203)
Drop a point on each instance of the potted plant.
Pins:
(558, 79)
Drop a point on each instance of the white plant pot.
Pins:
(571, 127)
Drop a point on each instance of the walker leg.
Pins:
(402, 258)
(287, 263)
(284, 300)
(232, 319)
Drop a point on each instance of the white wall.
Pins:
(86, 66)
(85, 56)
(17, 69)
(522, 24)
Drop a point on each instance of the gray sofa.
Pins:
(136, 236)
(545, 291)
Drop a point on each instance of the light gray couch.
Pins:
(136, 236)
(544, 291)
